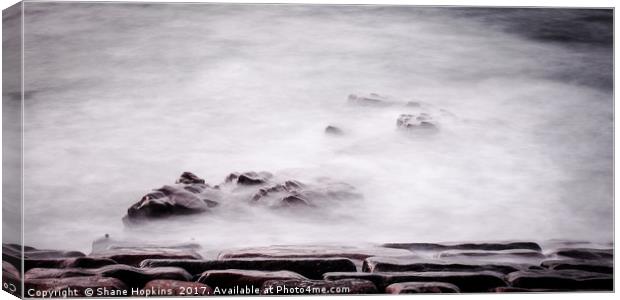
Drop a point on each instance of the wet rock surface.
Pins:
(466, 281)
(465, 246)
(131, 276)
(191, 195)
(351, 252)
(333, 130)
(134, 256)
(421, 121)
(390, 264)
(312, 268)
(561, 279)
(330, 269)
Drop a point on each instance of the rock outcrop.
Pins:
(191, 195)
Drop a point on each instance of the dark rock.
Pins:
(75, 283)
(467, 246)
(421, 287)
(297, 287)
(179, 288)
(356, 253)
(421, 122)
(134, 256)
(293, 193)
(371, 100)
(466, 281)
(333, 130)
(131, 276)
(395, 264)
(249, 178)
(225, 279)
(585, 253)
(189, 178)
(165, 202)
(583, 265)
(294, 200)
(312, 268)
(561, 280)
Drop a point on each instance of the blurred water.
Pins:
(122, 98)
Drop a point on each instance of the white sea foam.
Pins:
(127, 97)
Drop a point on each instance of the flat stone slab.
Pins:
(312, 268)
(466, 281)
(131, 276)
(605, 267)
(318, 287)
(585, 253)
(226, 279)
(421, 287)
(357, 253)
(464, 246)
(72, 262)
(396, 264)
(134, 256)
(512, 255)
(561, 280)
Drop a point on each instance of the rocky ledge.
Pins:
(141, 270)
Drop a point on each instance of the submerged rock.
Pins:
(333, 130)
(372, 100)
(422, 121)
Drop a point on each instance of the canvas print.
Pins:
(203, 149)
